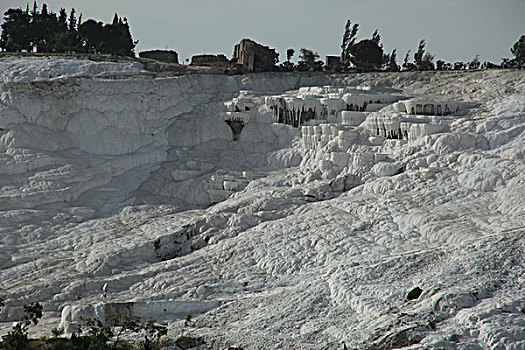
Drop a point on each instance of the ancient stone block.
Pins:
(161, 55)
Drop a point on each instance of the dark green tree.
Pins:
(92, 36)
(289, 54)
(408, 65)
(423, 60)
(288, 66)
(128, 45)
(518, 50)
(367, 55)
(35, 9)
(459, 65)
(118, 40)
(62, 17)
(61, 36)
(392, 64)
(44, 26)
(418, 56)
(46, 32)
(72, 24)
(428, 63)
(65, 38)
(16, 31)
(376, 37)
(349, 37)
(475, 63)
(17, 338)
(308, 61)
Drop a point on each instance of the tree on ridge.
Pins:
(518, 50)
(44, 31)
(308, 61)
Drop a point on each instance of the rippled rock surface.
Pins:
(307, 224)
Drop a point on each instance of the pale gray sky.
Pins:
(453, 29)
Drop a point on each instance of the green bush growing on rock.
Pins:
(17, 338)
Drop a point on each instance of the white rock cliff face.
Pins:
(308, 230)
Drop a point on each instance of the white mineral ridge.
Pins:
(18, 69)
(306, 237)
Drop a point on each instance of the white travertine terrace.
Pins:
(413, 119)
(427, 107)
(308, 230)
(319, 103)
(326, 114)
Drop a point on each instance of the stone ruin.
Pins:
(209, 60)
(333, 63)
(254, 57)
(167, 56)
(248, 56)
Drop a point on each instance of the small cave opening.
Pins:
(236, 126)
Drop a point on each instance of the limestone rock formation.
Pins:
(268, 206)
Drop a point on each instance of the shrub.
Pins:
(17, 338)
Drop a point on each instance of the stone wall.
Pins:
(333, 63)
(161, 55)
(204, 60)
(254, 57)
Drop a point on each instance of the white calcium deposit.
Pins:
(339, 196)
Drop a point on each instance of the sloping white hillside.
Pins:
(308, 230)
